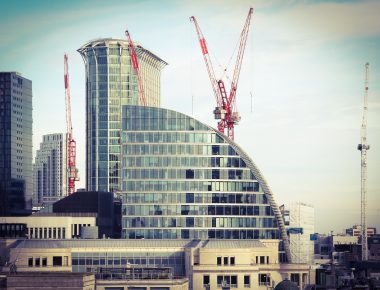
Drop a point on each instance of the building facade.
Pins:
(300, 223)
(110, 84)
(356, 231)
(50, 226)
(16, 179)
(50, 170)
(184, 180)
(164, 264)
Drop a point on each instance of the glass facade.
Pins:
(110, 84)
(81, 261)
(16, 178)
(182, 179)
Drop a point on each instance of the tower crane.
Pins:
(135, 65)
(363, 147)
(72, 171)
(226, 110)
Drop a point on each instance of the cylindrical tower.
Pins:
(111, 83)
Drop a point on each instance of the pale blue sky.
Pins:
(304, 64)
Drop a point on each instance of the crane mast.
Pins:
(363, 147)
(72, 171)
(226, 110)
(135, 65)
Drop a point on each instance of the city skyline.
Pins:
(304, 65)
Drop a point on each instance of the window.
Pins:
(262, 259)
(225, 260)
(264, 279)
(247, 281)
(295, 277)
(57, 261)
(206, 280)
(219, 260)
(37, 262)
(189, 174)
(44, 261)
(227, 281)
(232, 260)
(30, 262)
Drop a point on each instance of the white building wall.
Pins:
(301, 216)
(50, 170)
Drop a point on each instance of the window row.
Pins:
(248, 198)
(182, 123)
(176, 210)
(180, 137)
(200, 234)
(175, 161)
(191, 222)
(230, 281)
(187, 174)
(230, 186)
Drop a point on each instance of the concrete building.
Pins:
(110, 84)
(49, 226)
(356, 231)
(16, 180)
(374, 248)
(185, 180)
(50, 170)
(300, 224)
(164, 264)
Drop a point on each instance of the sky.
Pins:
(303, 65)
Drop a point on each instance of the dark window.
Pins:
(225, 260)
(206, 280)
(247, 281)
(215, 174)
(232, 260)
(37, 262)
(215, 149)
(189, 197)
(44, 262)
(234, 281)
(295, 277)
(219, 260)
(30, 262)
(189, 174)
(262, 260)
(264, 279)
(57, 261)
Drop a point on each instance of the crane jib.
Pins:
(134, 61)
(203, 46)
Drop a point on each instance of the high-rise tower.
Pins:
(16, 179)
(111, 83)
(50, 170)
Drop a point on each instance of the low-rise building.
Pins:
(49, 226)
(163, 264)
(356, 231)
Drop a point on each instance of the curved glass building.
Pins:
(111, 83)
(182, 179)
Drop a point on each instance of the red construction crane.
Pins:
(72, 171)
(135, 65)
(226, 104)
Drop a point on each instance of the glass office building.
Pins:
(110, 84)
(16, 178)
(184, 180)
